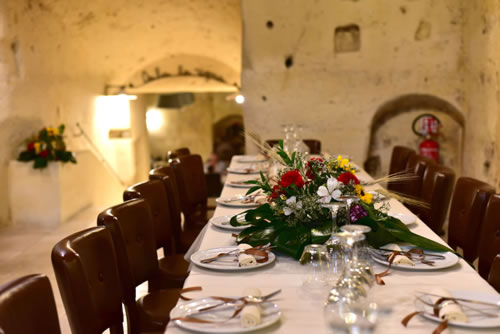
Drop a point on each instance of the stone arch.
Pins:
(410, 104)
(228, 139)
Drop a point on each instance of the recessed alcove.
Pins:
(347, 38)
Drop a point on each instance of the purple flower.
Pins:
(357, 212)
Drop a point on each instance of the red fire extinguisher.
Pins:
(427, 126)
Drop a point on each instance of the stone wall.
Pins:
(331, 65)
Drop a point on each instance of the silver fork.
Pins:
(248, 299)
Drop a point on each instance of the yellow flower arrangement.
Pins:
(364, 196)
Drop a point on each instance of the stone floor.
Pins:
(26, 250)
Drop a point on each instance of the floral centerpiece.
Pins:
(47, 145)
(296, 212)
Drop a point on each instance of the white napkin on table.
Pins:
(251, 314)
(244, 247)
(448, 309)
(246, 260)
(399, 259)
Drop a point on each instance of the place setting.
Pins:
(241, 257)
(227, 314)
(223, 222)
(243, 201)
(243, 183)
(253, 168)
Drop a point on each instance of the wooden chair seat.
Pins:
(173, 272)
(154, 309)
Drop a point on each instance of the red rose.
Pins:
(291, 177)
(347, 177)
(310, 173)
(31, 146)
(276, 192)
(44, 153)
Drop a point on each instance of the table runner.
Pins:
(302, 314)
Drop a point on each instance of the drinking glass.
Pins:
(299, 145)
(334, 244)
(314, 259)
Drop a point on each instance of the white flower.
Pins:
(292, 205)
(330, 191)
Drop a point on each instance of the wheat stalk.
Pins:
(398, 177)
(264, 148)
(404, 198)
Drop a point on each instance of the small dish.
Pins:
(223, 223)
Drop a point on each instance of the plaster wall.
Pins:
(335, 95)
(482, 85)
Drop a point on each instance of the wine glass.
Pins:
(334, 244)
(314, 260)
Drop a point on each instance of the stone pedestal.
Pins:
(44, 197)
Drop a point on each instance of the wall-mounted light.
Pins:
(237, 97)
(154, 119)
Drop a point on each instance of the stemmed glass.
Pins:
(315, 261)
(347, 307)
(334, 244)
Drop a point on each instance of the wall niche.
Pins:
(347, 38)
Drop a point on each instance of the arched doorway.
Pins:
(391, 126)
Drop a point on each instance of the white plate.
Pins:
(270, 314)
(251, 159)
(406, 219)
(223, 222)
(243, 170)
(475, 320)
(241, 185)
(236, 202)
(449, 261)
(226, 263)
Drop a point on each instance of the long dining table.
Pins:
(303, 314)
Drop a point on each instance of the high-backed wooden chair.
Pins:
(180, 152)
(399, 161)
(27, 306)
(173, 267)
(417, 166)
(192, 189)
(88, 279)
(466, 215)
(133, 237)
(184, 236)
(313, 144)
(437, 186)
(489, 241)
(494, 275)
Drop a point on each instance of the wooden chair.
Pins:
(88, 279)
(27, 306)
(192, 190)
(399, 161)
(173, 267)
(180, 152)
(183, 237)
(466, 215)
(489, 241)
(133, 238)
(494, 276)
(416, 165)
(313, 144)
(437, 186)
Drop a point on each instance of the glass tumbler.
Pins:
(315, 260)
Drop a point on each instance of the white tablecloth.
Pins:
(305, 315)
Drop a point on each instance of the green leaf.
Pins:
(420, 242)
(257, 235)
(27, 156)
(293, 240)
(280, 143)
(40, 163)
(251, 190)
(321, 234)
(61, 129)
(262, 177)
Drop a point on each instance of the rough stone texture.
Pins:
(57, 56)
(337, 95)
(481, 33)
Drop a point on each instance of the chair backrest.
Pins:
(167, 176)
(88, 279)
(489, 241)
(416, 165)
(466, 215)
(313, 144)
(132, 232)
(437, 186)
(180, 152)
(155, 195)
(27, 306)
(191, 184)
(494, 275)
(399, 161)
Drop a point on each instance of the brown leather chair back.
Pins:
(416, 165)
(313, 144)
(399, 160)
(466, 215)
(167, 176)
(437, 186)
(132, 232)
(494, 275)
(489, 241)
(27, 306)
(88, 279)
(191, 184)
(155, 195)
(180, 152)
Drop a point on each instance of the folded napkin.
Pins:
(244, 247)
(399, 259)
(251, 314)
(448, 310)
(246, 260)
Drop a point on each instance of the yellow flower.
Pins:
(364, 196)
(37, 147)
(339, 158)
(344, 163)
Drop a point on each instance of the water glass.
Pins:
(315, 260)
